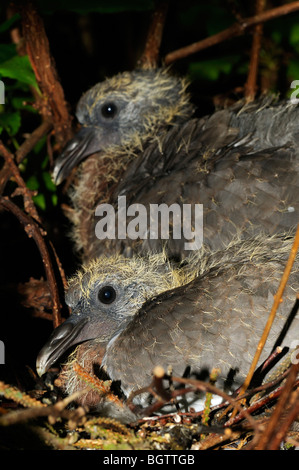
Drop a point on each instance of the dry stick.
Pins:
(277, 301)
(273, 395)
(284, 428)
(28, 203)
(159, 374)
(34, 231)
(271, 438)
(32, 140)
(23, 151)
(150, 54)
(236, 29)
(203, 386)
(10, 169)
(54, 106)
(57, 410)
(251, 82)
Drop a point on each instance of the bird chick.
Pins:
(132, 315)
(139, 139)
(122, 112)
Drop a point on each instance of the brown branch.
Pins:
(23, 151)
(33, 230)
(159, 374)
(205, 386)
(32, 140)
(251, 82)
(193, 385)
(258, 404)
(53, 106)
(53, 412)
(150, 54)
(273, 436)
(236, 29)
(276, 303)
(22, 188)
(285, 426)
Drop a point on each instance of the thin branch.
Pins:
(150, 54)
(251, 82)
(285, 426)
(54, 106)
(258, 404)
(32, 140)
(22, 188)
(159, 374)
(34, 231)
(276, 303)
(23, 151)
(193, 385)
(272, 436)
(237, 29)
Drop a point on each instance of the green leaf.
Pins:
(18, 103)
(212, 69)
(19, 68)
(8, 23)
(54, 199)
(294, 35)
(40, 201)
(32, 183)
(37, 148)
(7, 51)
(48, 182)
(11, 122)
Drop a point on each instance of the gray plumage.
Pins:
(209, 313)
(241, 163)
(139, 139)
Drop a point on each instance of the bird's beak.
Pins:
(84, 143)
(74, 330)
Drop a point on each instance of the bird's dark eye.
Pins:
(109, 110)
(107, 295)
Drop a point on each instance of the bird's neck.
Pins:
(97, 178)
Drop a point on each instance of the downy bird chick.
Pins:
(130, 315)
(139, 139)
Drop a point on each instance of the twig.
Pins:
(26, 193)
(200, 385)
(272, 436)
(277, 301)
(159, 373)
(53, 106)
(32, 140)
(150, 54)
(285, 426)
(236, 29)
(23, 151)
(38, 410)
(34, 231)
(271, 358)
(251, 83)
(258, 404)
(206, 413)
(13, 393)
(102, 387)
(195, 385)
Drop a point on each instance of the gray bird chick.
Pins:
(139, 139)
(131, 315)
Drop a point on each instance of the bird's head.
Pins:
(103, 297)
(122, 112)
